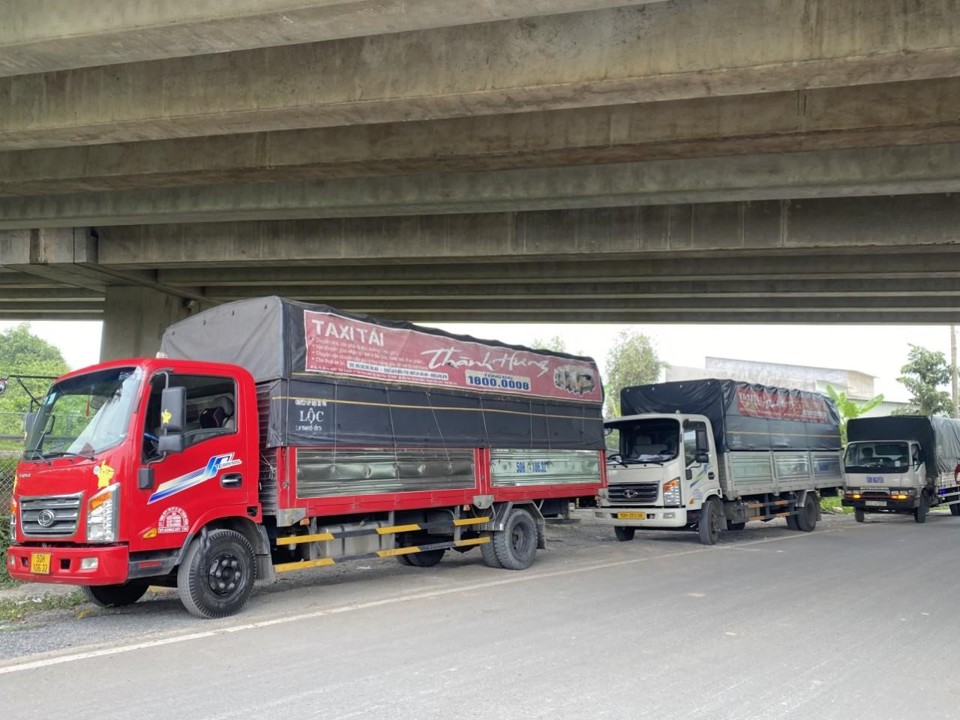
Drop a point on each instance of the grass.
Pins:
(832, 505)
(14, 609)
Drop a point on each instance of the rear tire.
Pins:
(809, 513)
(217, 574)
(489, 555)
(516, 544)
(624, 534)
(859, 515)
(709, 525)
(955, 509)
(114, 596)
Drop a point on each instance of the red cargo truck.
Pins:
(271, 435)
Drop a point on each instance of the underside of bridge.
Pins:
(507, 160)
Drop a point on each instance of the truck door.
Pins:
(700, 471)
(177, 489)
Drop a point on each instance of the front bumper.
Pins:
(875, 504)
(64, 564)
(644, 517)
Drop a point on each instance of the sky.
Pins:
(878, 350)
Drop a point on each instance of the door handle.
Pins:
(710, 476)
(231, 480)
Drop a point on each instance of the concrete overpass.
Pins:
(441, 160)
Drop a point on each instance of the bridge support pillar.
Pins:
(134, 319)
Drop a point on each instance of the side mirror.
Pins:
(173, 410)
(172, 443)
(173, 419)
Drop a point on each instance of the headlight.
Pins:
(671, 493)
(102, 515)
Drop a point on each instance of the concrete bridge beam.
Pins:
(825, 119)
(46, 35)
(664, 51)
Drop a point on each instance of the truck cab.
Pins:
(886, 476)
(660, 471)
(99, 498)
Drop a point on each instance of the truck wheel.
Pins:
(709, 525)
(792, 522)
(115, 595)
(427, 558)
(516, 544)
(808, 515)
(920, 512)
(955, 509)
(624, 534)
(217, 574)
(859, 515)
(489, 554)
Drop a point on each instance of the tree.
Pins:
(631, 361)
(850, 409)
(23, 353)
(555, 343)
(925, 372)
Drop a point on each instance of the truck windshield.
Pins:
(643, 441)
(84, 415)
(891, 457)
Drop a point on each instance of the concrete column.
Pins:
(134, 320)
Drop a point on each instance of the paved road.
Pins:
(851, 621)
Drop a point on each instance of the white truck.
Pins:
(901, 464)
(710, 455)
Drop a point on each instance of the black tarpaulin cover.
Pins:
(744, 416)
(938, 436)
(334, 378)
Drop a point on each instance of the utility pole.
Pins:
(953, 370)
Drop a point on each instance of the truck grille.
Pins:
(642, 494)
(50, 516)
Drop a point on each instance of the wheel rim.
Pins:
(225, 575)
(519, 540)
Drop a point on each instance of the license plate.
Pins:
(877, 503)
(632, 516)
(40, 563)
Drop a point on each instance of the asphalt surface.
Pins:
(850, 621)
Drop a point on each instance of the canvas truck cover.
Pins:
(335, 378)
(939, 437)
(744, 416)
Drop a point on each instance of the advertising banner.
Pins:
(338, 345)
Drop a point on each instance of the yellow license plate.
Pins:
(40, 563)
(632, 516)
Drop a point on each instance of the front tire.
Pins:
(114, 596)
(516, 544)
(624, 534)
(859, 515)
(809, 513)
(955, 509)
(217, 574)
(920, 512)
(709, 525)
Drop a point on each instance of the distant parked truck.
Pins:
(902, 464)
(274, 435)
(710, 455)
